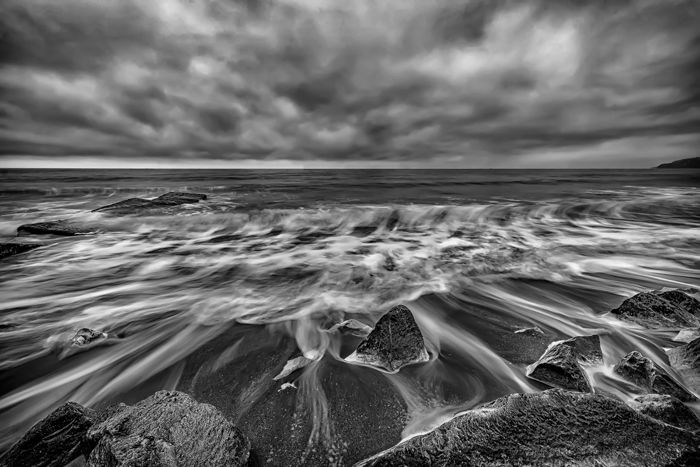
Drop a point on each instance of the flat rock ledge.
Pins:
(644, 373)
(11, 249)
(136, 205)
(668, 409)
(562, 364)
(671, 309)
(169, 428)
(61, 227)
(554, 427)
(395, 341)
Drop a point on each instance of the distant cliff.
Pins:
(690, 163)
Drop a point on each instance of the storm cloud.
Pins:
(480, 83)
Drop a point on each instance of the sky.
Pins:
(349, 83)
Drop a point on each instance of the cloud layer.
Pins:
(480, 83)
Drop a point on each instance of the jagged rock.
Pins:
(561, 364)
(86, 336)
(167, 429)
(61, 227)
(10, 249)
(685, 359)
(687, 335)
(134, 205)
(670, 309)
(54, 441)
(352, 327)
(667, 409)
(644, 373)
(395, 341)
(553, 427)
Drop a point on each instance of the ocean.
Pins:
(214, 297)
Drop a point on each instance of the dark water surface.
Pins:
(214, 297)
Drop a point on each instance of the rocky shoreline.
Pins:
(569, 423)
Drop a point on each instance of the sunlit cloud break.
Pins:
(308, 83)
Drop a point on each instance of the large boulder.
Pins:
(137, 205)
(61, 227)
(562, 364)
(685, 359)
(10, 249)
(553, 427)
(644, 373)
(668, 409)
(54, 441)
(395, 341)
(670, 309)
(167, 429)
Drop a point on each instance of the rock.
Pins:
(553, 427)
(644, 373)
(86, 336)
(395, 341)
(687, 335)
(135, 205)
(54, 441)
(352, 327)
(10, 249)
(561, 364)
(167, 429)
(532, 332)
(668, 409)
(670, 309)
(292, 365)
(685, 359)
(60, 227)
(689, 163)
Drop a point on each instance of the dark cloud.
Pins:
(453, 82)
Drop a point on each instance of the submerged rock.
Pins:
(61, 227)
(553, 427)
(86, 336)
(644, 373)
(395, 341)
(292, 365)
(135, 205)
(685, 359)
(54, 441)
(687, 335)
(532, 332)
(561, 364)
(10, 249)
(167, 429)
(668, 409)
(670, 309)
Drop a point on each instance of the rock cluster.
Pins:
(647, 375)
(167, 429)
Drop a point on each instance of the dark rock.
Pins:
(61, 227)
(672, 309)
(86, 336)
(395, 341)
(54, 441)
(689, 163)
(644, 373)
(9, 249)
(561, 364)
(135, 205)
(553, 427)
(167, 429)
(685, 359)
(668, 409)
(531, 332)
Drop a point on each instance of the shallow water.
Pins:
(475, 255)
